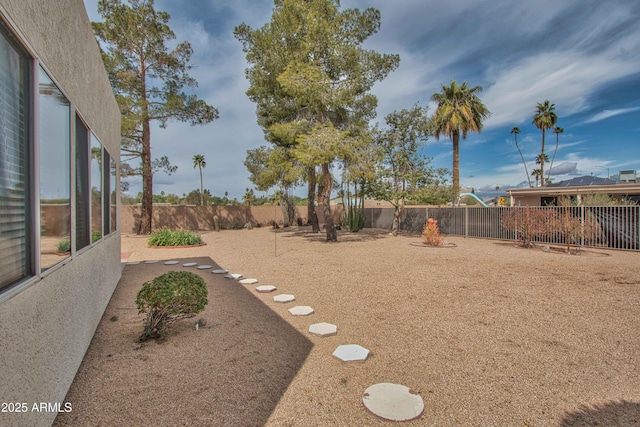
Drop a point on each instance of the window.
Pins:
(36, 192)
(82, 221)
(113, 199)
(55, 175)
(15, 186)
(96, 189)
(106, 192)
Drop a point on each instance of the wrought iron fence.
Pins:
(612, 227)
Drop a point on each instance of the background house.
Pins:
(622, 187)
(59, 234)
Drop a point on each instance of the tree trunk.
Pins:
(544, 131)
(397, 213)
(201, 187)
(456, 164)
(332, 235)
(311, 195)
(284, 208)
(146, 214)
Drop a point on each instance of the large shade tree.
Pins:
(403, 167)
(149, 81)
(544, 118)
(459, 112)
(310, 78)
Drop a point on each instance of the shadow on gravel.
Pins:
(614, 413)
(365, 235)
(233, 371)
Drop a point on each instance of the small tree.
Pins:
(431, 233)
(170, 297)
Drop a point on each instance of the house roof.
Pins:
(584, 181)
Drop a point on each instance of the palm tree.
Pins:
(459, 111)
(515, 131)
(198, 161)
(537, 173)
(544, 118)
(540, 160)
(557, 130)
(249, 196)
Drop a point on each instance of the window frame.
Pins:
(32, 271)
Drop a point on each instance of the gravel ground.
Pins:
(487, 333)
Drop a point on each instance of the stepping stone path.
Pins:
(233, 276)
(220, 271)
(284, 298)
(248, 281)
(351, 353)
(204, 267)
(323, 329)
(393, 402)
(301, 310)
(133, 263)
(171, 262)
(153, 261)
(190, 264)
(265, 289)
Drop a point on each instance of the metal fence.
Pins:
(612, 227)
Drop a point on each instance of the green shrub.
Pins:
(95, 236)
(166, 237)
(170, 297)
(64, 246)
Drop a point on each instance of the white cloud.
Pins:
(610, 113)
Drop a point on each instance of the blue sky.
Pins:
(582, 55)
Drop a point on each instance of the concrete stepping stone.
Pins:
(323, 329)
(248, 281)
(265, 289)
(233, 276)
(220, 271)
(204, 267)
(174, 262)
(151, 261)
(284, 298)
(190, 264)
(301, 310)
(351, 353)
(393, 402)
(133, 263)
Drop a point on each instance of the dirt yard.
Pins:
(487, 333)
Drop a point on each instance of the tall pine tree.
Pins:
(149, 82)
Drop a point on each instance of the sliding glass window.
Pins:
(15, 194)
(55, 176)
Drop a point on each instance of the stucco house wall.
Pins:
(48, 320)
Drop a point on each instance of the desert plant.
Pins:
(530, 224)
(64, 246)
(170, 297)
(166, 237)
(431, 233)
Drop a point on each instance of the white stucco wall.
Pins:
(46, 328)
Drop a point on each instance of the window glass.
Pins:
(14, 166)
(55, 177)
(113, 199)
(106, 191)
(82, 221)
(96, 189)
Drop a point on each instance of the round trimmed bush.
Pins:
(170, 297)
